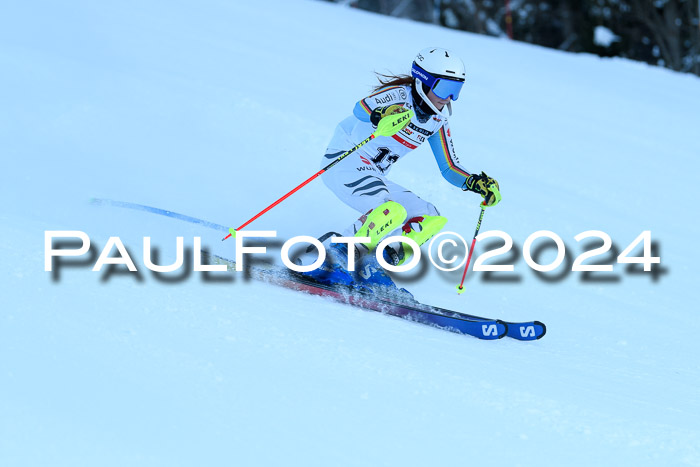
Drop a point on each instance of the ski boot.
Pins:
(329, 274)
(371, 277)
(333, 271)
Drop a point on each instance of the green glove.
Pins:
(486, 186)
(381, 112)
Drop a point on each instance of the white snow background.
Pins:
(214, 109)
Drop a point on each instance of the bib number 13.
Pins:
(384, 158)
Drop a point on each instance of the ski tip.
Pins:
(527, 331)
(489, 330)
(544, 329)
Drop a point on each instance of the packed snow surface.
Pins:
(214, 110)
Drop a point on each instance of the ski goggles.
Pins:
(441, 87)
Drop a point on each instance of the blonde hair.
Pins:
(392, 80)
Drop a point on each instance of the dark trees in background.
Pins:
(659, 32)
(419, 10)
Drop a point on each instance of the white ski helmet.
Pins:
(442, 72)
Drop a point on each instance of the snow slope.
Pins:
(216, 109)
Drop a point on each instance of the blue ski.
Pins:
(396, 304)
(392, 304)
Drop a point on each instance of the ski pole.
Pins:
(460, 287)
(388, 126)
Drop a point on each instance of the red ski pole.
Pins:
(388, 126)
(460, 287)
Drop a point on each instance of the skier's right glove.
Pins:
(485, 186)
(381, 112)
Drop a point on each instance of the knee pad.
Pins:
(420, 230)
(380, 221)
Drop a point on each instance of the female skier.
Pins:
(360, 179)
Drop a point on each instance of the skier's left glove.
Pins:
(381, 112)
(486, 186)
